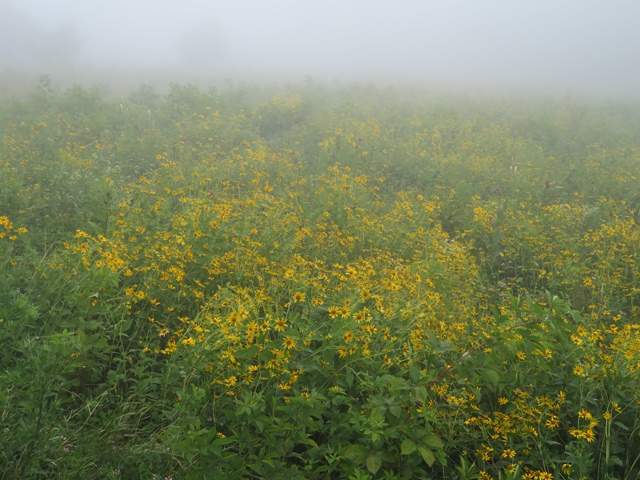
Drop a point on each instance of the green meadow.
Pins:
(305, 281)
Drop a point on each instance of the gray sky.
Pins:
(585, 45)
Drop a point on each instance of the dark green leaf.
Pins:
(356, 453)
(349, 377)
(247, 352)
(414, 373)
(433, 441)
(373, 463)
(491, 376)
(614, 461)
(420, 394)
(408, 447)
(427, 455)
(395, 410)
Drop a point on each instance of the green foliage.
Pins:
(280, 114)
(317, 283)
(145, 96)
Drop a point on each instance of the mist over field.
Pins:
(320, 240)
(583, 46)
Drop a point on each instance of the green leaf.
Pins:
(427, 455)
(477, 394)
(408, 447)
(265, 355)
(373, 463)
(377, 417)
(356, 453)
(311, 442)
(420, 394)
(223, 440)
(349, 377)
(395, 410)
(247, 352)
(433, 441)
(491, 376)
(614, 461)
(414, 373)
(621, 425)
(126, 325)
(293, 333)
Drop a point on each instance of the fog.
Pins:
(586, 46)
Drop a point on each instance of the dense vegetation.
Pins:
(314, 282)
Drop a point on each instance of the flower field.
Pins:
(318, 283)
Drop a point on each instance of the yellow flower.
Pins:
(552, 422)
(289, 343)
(298, 297)
(576, 432)
(273, 363)
(333, 312)
(584, 414)
(508, 453)
(589, 436)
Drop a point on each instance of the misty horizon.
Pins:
(588, 47)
